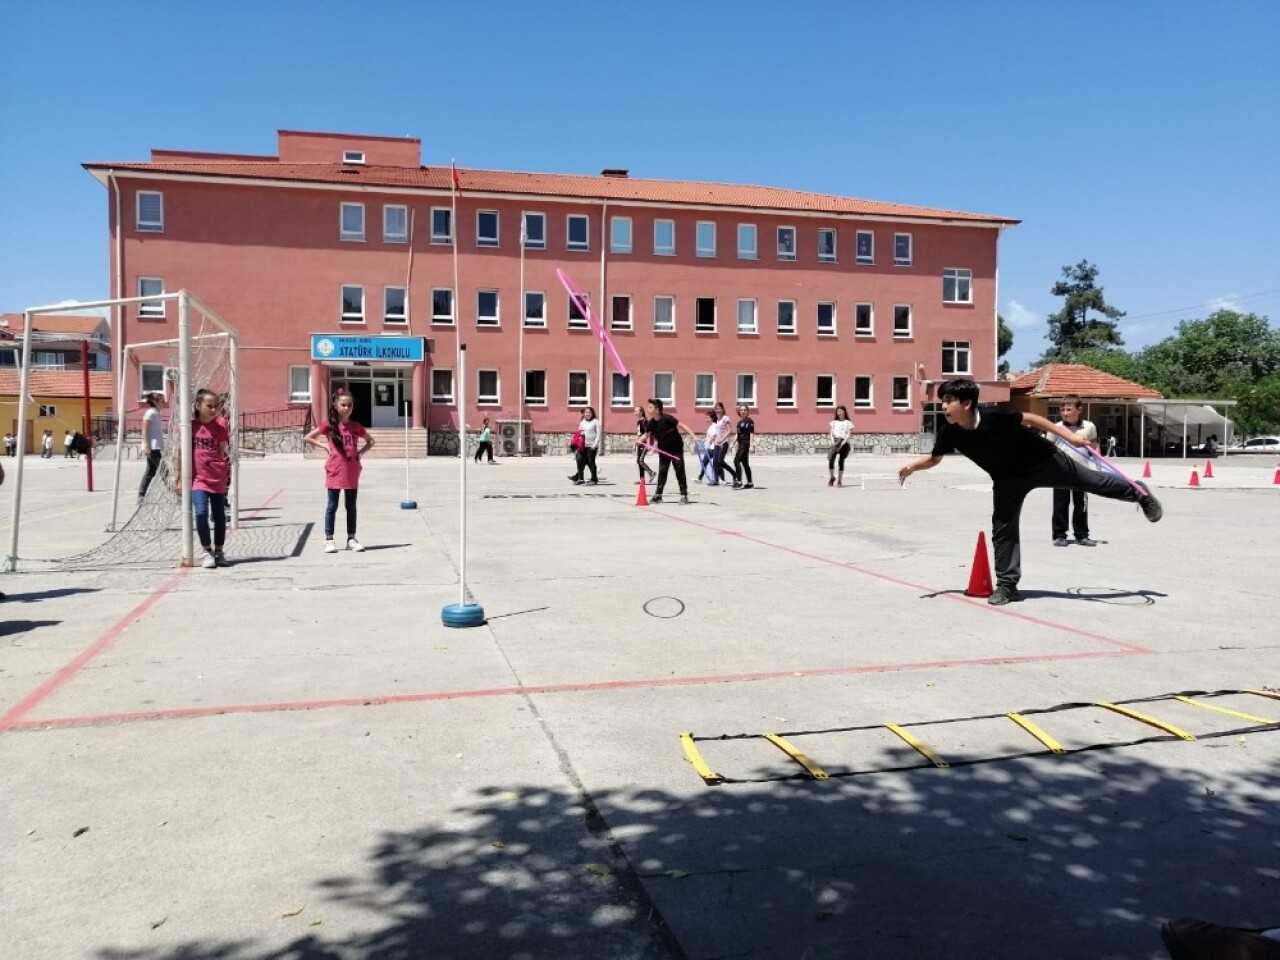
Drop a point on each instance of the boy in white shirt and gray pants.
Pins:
(1063, 499)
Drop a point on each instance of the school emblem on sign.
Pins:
(324, 347)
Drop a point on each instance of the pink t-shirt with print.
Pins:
(343, 473)
(211, 469)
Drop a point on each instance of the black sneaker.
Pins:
(1086, 541)
(656, 498)
(1060, 541)
(1151, 508)
(1005, 593)
(748, 486)
(220, 558)
(684, 500)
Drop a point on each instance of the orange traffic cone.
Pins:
(1208, 469)
(642, 498)
(1146, 471)
(1195, 478)
(1276, 481)
(980, 584)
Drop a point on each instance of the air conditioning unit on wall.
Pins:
(509, 437)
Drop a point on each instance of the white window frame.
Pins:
(484, 240)
(742, 397)
(570, 307)
(493, 399)
(355, 157)
(296, 395)
(748, 241)
(47, 410)
(155, 369)
(489, 320)
(151, 309)
(578, 399)
(698, 326)
(904, 404)
(531, 401)
(537, 323)
(903, 334)
(817, 318)
(446, 238)
(858, 255)
(661, 249)
(960, 280)
(957, 357)
(870, 329)
(613, 312)
(442, 320)
(781, 402)
(869, 402)
(670, 399)
(827, 402)
(827, 232)
(387, 316)
(704, 399)
(660, 298)
(527, 218)
(569, 242)
(388, 235)
(782, 254)
(441, 398)
(789, 331)
(343, 315)
(616, 399)
(753, 326)
(910, 257)
(616, 226)
(703, 249)
(350, 235)
(148, 226)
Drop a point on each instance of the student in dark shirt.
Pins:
(1005, 443)
(742, 453)
(664, 432)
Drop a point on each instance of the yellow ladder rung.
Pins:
(1036, 732)
(1217, 709)
(695, 757)
(1265, 693)
(923, 748)
(1147, 719)
(813, 769)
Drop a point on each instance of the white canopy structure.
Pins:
(1191, 420)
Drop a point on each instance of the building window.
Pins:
(863, 393)
(620, 312)
(441, 386)
(664, 238)
(955, 356)
(747, 317)
(706, 238)
(786, 316)
(664, 388)
(395, 305)
(826, 319)
(901, 321)
(351, 221)
(535, 387)
(577, 232)
(931, 419)
(748, 248)
(150, 287)
(746, 389)
(578, 319)
(49, 360)
(865, 246)
(786, 390)
(786, 243)
(441, 225)
(704, 315)
(486, 228)
(487, 308)
(620, 390)
(864, 318)
(48, 410)
(664, 314)
(534, 229)
(299, 384)
(826, 245)
(150, 212)
(353, 156)
(704, 390)
(579, 388)
(902, 393)
(824, 390)
(352, 303)
(395, 224)
(442, 305)
(535, 308)
(619, 234)
(151, 378)
(957, 286)
(487, 393)
(902, 249)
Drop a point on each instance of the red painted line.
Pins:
(187, 713)
(264, 504)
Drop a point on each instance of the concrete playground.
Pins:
(292, 757)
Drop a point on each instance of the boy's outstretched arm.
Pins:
(1033, 421)
(924, 463)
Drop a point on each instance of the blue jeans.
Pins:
(202, 503)
(331, 512)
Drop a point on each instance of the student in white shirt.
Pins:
(841, 431)
(152, 441)
(1063, 499)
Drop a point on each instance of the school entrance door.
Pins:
(379, 393)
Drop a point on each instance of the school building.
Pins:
(335, 259)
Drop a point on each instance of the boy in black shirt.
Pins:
(1005, 443)
(742, 455)
(664, 432)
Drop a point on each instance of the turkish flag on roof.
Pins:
(457, 184)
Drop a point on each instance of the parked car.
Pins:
(1269, 445)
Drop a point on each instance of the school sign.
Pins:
(340, 348)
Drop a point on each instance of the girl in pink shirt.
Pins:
(345, 440)
(210, 475)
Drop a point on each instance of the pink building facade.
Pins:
(790, 302)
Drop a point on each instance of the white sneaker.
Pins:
(330, 547)
(355, 545)
(208, 562)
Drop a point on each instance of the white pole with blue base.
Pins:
(462, 614)
(408, 503)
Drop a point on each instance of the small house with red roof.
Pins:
(1111, 402)
(55, 402)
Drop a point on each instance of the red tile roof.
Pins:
(57, 383)
(619, 189)
(11, 324)
(1061, 379)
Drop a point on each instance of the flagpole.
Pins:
(457, 306)
(520, 363)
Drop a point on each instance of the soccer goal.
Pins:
(160, 529)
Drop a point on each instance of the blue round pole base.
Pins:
(462, 615)
(408, 504)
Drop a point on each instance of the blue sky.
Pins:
(1143, 136)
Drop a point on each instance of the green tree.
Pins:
(1258, 406)
(1004, 343)
(1214, 357)
(1072, 329)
